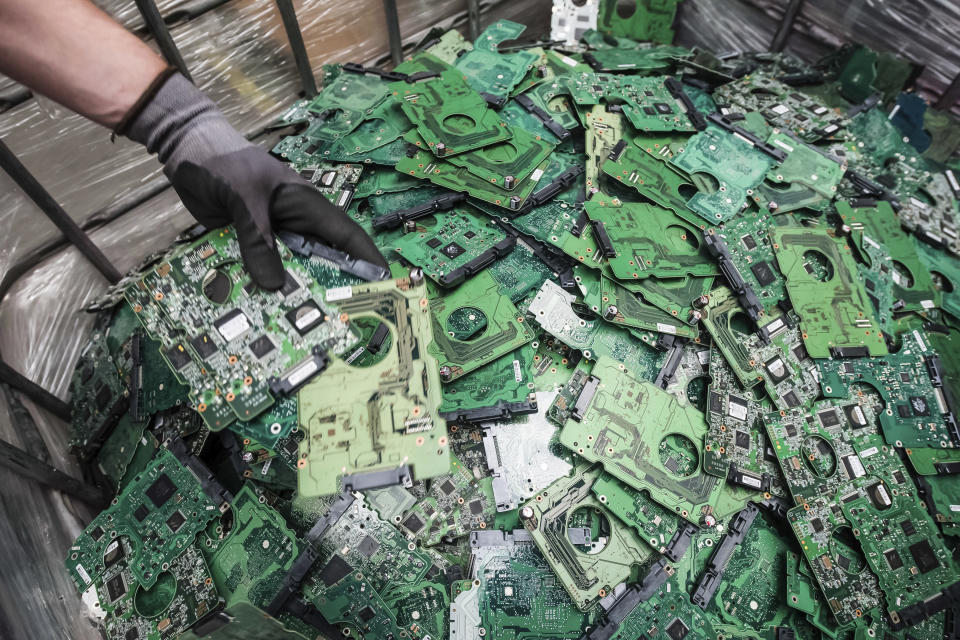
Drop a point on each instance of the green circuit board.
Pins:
(474, 325)
(601, 555)
(609, 416)
(461, 244)
(648, 241)
(403, 387)
(834, 311)
(403, 592)
(159, 514)
(501, 388)
(735, 166)
(236, 346)
(490, 71)
(182, 595)
(513, 593)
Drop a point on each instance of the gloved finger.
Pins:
(303, 210)
(259, 253)
(207, 206)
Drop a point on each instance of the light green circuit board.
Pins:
(611, 417)
(501, 388)
(648, 241)
(835, 314)
(734, 165)
(604, 554)
(465, 336)
(489, 71)
(398, 425)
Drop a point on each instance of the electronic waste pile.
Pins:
(669, 347)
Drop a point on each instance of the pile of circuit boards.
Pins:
(669, 347)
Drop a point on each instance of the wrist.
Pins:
(179, 123)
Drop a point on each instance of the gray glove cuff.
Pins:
(181, 124)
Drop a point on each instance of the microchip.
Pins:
(141, 512)
(335, 571)
(908, 528)
(103, 397)
(919, 406)
(453, 250)
(748, 241)
(650, 111)
(97, 533)
(904, 376)
(799, 352)
(714, 402)
(894, 561)
(743, 439)
(736, 407)
(290, 284)
(843, 562)
(262, 346)
(447, 487)
(175, 521)
(178, 357)
(898, 477)
(469, 235)
(291, 446)
(671, 464)
(306, 317)
(413, 523)
(777, 369)
(763, 273)
(366, 614)
(856, 418)
(161, 490)
(476, 507)
(828, 418)
(433, 243)
(790, 399)
(232, 324)
(924, 556)
(368, 546)
(848, 367)
(879, 496)
(790, 429)
(132, 634)
(116, 587)
(817, 525)
(677, 630)
(428, 510)
(904, 410)
(663, 107)
(204, 346)
(113, 554)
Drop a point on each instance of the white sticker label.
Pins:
(570, 62)
(737, 411)
(923, 346)
(339, 293)
(666, 328)
(952, 179)
(266, 467)
(779, 109)
(312, 315)
(517, 371)
(234, 327)
(750, 481)
(783, 145)
(830, 129)
(83, 574)
(866, 453)
(536, 175)
(302, 372)
(955, 507)
(856, 467)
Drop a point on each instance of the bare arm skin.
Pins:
(74, 53)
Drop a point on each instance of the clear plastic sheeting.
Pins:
(922, 31)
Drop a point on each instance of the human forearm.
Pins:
(74, 53)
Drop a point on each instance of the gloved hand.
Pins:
(223, 179)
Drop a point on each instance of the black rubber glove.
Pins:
(224, 179)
